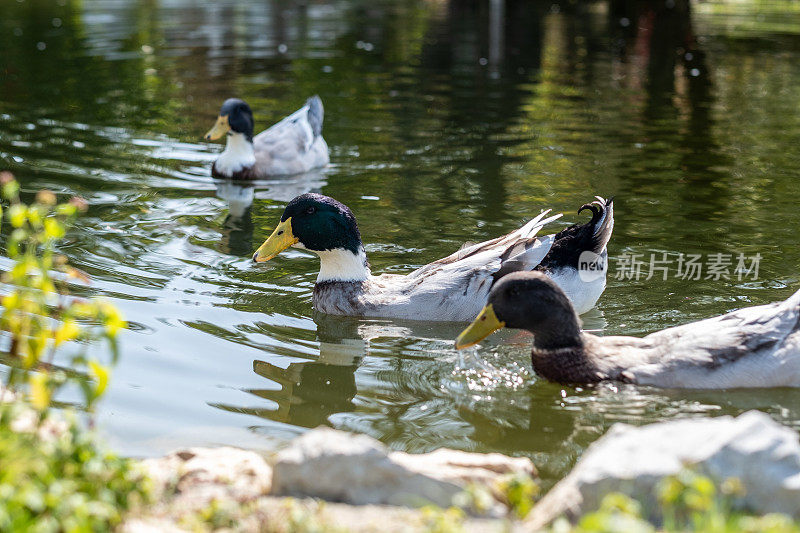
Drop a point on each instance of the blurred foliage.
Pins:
(438, 520)
(39, 314)
(62, 481)
(301, 519)
(688, 502)
(218, 514)
(520, 493)
(476, 498)
(53, 477)
(743, 19)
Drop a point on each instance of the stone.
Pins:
(463, 468)
(150, 525)
(199, 475)
(761, 453)
(356, 469)
(229, 488)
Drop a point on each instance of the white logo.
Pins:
(591, 266)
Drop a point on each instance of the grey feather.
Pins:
(752, 347)
(316, 114)
(294, 144)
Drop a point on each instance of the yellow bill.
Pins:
(221, 127)
(483, 326)
(281, 239)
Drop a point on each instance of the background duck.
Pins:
(752, 347)
(451, 289)
(291, 146)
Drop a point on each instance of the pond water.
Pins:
(447, 122)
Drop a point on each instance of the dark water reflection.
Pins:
(448, 121)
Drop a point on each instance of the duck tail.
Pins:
(793, 302)
(602, 222)
(316, 113)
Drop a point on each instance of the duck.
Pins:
(753, 347)
(292, 146)
(453, 288)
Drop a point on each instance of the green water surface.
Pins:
(448, 122)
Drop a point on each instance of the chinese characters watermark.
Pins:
(716, 266)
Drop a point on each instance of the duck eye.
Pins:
(311, 210)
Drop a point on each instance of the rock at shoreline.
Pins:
(357, 469)
(761, 453)
(200, 475)
(237, 489)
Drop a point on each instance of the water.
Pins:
(447, 123)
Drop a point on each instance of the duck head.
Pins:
(326, 227)
(530, 301)
(235, 118)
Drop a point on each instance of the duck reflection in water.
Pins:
(237, 230)
(312, 391)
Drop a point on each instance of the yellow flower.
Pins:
(53, 228)
(101, 376)
(40, 393)
(113, 319)
(11, 301)
(17, 215)
(68, 331)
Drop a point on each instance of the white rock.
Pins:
(203, 474)
(150, 525)
(356, 469)
(761, 453)
(463, 468)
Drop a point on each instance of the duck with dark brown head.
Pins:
(752, 347)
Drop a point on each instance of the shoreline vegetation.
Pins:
(63, 481)
(55, 477)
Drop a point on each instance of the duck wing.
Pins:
(456, 287)
(294, 144)
(520, 247)
(752, 347)
(302, 126)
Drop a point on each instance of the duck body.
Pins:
(451, 289)
(751, 347)
(292, 146)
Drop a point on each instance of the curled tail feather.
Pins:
(602, 221)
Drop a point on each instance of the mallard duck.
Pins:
(752, 347)
(291, 146)
(450, 289)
